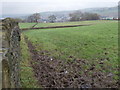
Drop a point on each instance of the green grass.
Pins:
(92, 43)
(27, 25)
(26, 72)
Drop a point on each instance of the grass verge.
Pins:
(27, 76)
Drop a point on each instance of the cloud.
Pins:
(58, 1)
(32, 6)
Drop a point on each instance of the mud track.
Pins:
(54, 73)
(55, 27)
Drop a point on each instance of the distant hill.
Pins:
(103, 12)
(15, 15)
(57, 13)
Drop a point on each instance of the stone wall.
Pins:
(11, 57)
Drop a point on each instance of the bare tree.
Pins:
(34, 17)
(76, 16)
(52, 18)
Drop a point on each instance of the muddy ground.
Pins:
(33, 27)
(53, 73)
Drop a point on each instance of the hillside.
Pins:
(104, 12)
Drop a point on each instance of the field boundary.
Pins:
(56, 27)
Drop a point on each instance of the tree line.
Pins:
(75, 16)
(79, 16)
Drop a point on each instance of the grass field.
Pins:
(27, 25)
(96, 44)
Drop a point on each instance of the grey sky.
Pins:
(32, 6)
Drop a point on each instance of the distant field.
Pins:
(27, 25)
(97, 44)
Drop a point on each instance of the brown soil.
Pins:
(55, 27)
(54, 73)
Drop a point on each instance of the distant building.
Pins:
(62, 19)
(108, 18)
(116, 18)
(44, 21)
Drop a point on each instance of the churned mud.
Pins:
(54, 73)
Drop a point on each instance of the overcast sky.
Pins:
(33, 6)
